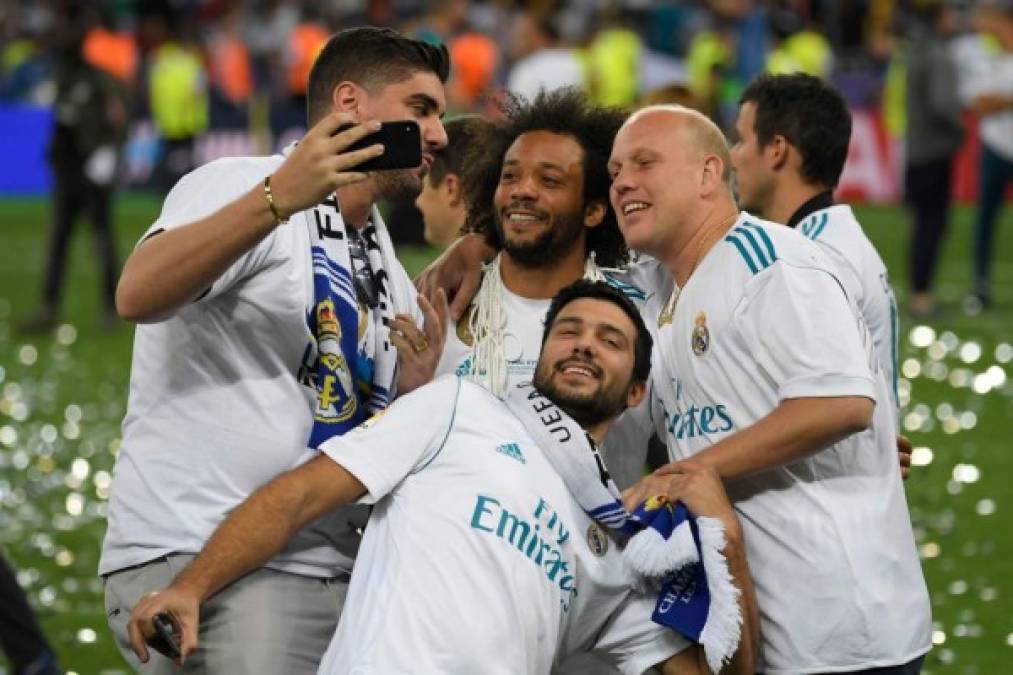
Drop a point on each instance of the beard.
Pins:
(586, 409)
(548, 246)
(398, 184)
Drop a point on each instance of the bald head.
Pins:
(697, 132)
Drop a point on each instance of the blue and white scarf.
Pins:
(669, 548)
(356, 365)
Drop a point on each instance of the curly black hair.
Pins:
(562, 111)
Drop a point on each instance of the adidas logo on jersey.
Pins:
(513, 451)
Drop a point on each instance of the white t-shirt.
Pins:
(522, 339)
(547, 69)
(625, 448)
(477, 559)
(996, 78)
(862, 273)
(828, 538)
(219, 403)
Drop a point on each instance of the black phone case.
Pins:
(402, 147)
(164, 640)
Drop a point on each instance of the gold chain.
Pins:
(665, 317)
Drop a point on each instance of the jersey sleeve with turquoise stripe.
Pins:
(400, 441)
(795, 311)
(865, 278)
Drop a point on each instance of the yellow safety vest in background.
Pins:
(178, 90)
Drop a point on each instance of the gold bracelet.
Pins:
(278, 220)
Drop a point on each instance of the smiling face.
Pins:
(656, 178)
(587, 360)
(539, 200)
(421, 98)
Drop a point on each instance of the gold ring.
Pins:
(420, 346)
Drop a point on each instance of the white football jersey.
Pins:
(829, 541)
(864, 277)
(625, 449)
(477, 559)
(522, 339)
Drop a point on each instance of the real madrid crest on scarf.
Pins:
(337, 387)
(356, 363)
(701, 338)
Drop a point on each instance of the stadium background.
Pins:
(62, 393)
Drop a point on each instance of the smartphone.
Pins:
(165, 641)
(402, 146)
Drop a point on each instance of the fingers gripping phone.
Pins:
(402, 146)
(165, 639)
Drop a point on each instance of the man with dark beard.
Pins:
(480, 556)
(274, 316)
(541, 197)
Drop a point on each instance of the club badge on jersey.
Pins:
(701, 337)
(597, 540)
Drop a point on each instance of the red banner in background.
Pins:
(874, 171)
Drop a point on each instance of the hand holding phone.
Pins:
(402, 146)
(165, 640)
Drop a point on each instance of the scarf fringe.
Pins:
(488, 322)
(652, 556)
(720, 635)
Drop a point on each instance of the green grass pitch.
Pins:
(62, 398)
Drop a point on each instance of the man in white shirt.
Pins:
(541, 62)
(478, 557)
(992, 98)
(792, 141)
(764, 372)
(540, 198)
(273, 315)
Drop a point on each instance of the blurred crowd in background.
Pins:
(189, 65)
(188, 81)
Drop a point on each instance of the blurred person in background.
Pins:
(230, 70)
(178, 96)
(268, 25)
(474, 58)
(90, 117)
(992, 100)
(614, 61)
(793, 133)
(541, 61)
(444, 203)
(305, 41)
(21, 638)
(440, 22)
(935, 131)
(26, 60)
(112, 50)
(801, 47)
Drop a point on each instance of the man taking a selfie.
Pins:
(272, 315)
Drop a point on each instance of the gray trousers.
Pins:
(268, 622)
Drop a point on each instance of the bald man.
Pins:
(766, 373)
